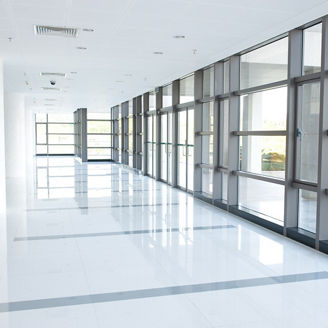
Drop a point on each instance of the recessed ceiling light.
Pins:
(53, 74)
(88, 30)
(179, 36)
(50, 89)
(158, 53)
(81, 48)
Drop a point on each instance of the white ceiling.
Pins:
(119, 62)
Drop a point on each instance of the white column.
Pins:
(15, 139)
(2, 147)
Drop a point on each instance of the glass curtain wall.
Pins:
(307, 129)
(151, 145)
(166, 135)
(262, 130)
(185, 147)
(54, 134)
(130, 134)
(207, 133)
(120, 134)
(99, 139)
(260, 163)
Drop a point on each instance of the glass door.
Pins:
(150, 145)
(164, 147)
(185, 162)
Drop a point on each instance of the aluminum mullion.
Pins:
(322, 199)
(295, 55)
(305, 186)
(262, 87)
(217, 130)
(258, 177)
(233, 126)
(308, 78)
(198, 122)
(260, 133)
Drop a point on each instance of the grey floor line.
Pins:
(126, 232)
(159, 292)
(124, 190)
(87, 207)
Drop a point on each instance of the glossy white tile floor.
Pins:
(65, 198)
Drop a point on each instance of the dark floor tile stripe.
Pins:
(159, 292)
(128, 232)
(91, 207)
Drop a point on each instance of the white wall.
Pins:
(15, 138)
(2, 146)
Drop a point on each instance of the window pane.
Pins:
(164, 162)
(99, 127)
(187, 89)
(130, 107)
(264, 65)
(99, 116)
(208, 117)
(207, 181)
(182, 119)
(41, 150)
(149, 129)
(308, 131)
(191, 133)
(99, 153)
(150, 159)
(225, 141)
(207, 149)
(262, 197)
(169, 128)
(190, 182)
(264, 110)
(60, 128)
(312, 49)
(99, 141)
(225, 187)
(152, 100)
(208, 82)
(41, 133)
(307, 210)
(41, 117)
(61, 118)
(61, 139)
(61, 150)
(164, 128)
(263, 155)
(169, 167)
(226, 72)
(167, 95)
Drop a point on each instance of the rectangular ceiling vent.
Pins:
(66, 32)
(53, 74)
(50, 89)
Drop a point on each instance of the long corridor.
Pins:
(98, 245)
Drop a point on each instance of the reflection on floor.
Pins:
(97, 245)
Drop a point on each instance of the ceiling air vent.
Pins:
(53, 74)
(66, 32)
(50, 89)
